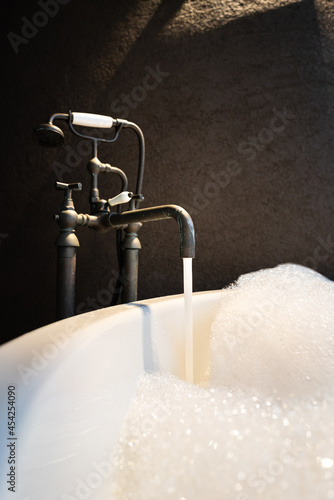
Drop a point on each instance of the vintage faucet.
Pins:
(103, 216)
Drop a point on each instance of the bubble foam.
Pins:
(263, 426)
(274, 330)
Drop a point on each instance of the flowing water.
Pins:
(188, 314)
(262, 426)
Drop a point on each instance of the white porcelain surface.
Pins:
(74, 382)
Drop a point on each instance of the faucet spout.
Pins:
(185, 223)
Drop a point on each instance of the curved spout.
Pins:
(185, 223)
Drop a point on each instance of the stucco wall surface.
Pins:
(235, 99)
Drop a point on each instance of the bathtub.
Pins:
(74, 381)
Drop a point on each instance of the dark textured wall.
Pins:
(238, 119)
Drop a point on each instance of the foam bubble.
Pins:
(263, 426)
(274, 330)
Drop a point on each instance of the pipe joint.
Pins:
(182, 217)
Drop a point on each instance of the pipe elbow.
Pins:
(186, 230)
(182, 217)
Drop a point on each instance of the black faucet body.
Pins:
(102, 218)
(131, 222)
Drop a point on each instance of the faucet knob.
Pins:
(123, 197)
(68, 188)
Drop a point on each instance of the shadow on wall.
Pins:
(238, 121)
(244, 121)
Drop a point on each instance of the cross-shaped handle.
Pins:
(68, 188)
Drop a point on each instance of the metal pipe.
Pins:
(58, 116)
(67, 243)
(130, 256)
(185, 223)
(66, 267)
(141, 140)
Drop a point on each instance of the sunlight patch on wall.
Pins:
(123, 39)
(203, 15)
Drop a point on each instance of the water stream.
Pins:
(188, 318)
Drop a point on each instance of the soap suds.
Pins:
(263, 426)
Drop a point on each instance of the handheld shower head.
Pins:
(48, 135)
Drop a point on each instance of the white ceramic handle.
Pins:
(91, 120)
(123, 197)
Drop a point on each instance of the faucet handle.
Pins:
(123, 197)
(68, 188)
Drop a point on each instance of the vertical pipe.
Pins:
(66, 267)
(67, 243)
(130, 278)
(130, 256)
